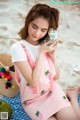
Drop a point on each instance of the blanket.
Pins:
(17, 111)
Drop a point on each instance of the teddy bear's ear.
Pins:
(9, 91)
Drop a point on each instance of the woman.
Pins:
(36, 65)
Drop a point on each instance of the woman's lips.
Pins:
(35, 37)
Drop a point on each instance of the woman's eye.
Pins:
(43, 30)
(34, 27)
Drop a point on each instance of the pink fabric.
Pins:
(42, 102)
(47, 105)
(46, 79)
(31, 62)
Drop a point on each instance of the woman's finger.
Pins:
(54, 44)
(51, 48)
(48, 43)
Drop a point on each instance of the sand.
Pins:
(12, 16)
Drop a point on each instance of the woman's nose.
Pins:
(37, 33)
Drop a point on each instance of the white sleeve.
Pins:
(17, 53)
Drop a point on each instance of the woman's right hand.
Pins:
(47, 47)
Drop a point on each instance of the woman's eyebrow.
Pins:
(38, 27)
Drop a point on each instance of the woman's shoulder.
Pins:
(15, 45)
(17, 52)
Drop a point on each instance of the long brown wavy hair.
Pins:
(40, 10)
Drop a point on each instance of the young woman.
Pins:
(36, 67)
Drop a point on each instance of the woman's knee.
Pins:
(66, 114)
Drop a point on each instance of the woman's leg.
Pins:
(73, 93)
(66, 114)
(52, 118)
(73, 97)
(70, 113)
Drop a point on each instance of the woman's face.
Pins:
(37, 29)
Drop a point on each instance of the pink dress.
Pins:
(48, 98)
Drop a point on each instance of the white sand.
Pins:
(12, 15)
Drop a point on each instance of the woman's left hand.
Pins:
(55, 45)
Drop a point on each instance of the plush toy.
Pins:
(5, 74)
(5, 107)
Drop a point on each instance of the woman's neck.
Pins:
(32, 42)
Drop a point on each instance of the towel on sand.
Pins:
(17, 111)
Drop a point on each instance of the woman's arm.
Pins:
(76, 107)
(30, 75)
(57, 69)
(72, 94)
(52, 55)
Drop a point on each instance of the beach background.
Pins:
(12, 17)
